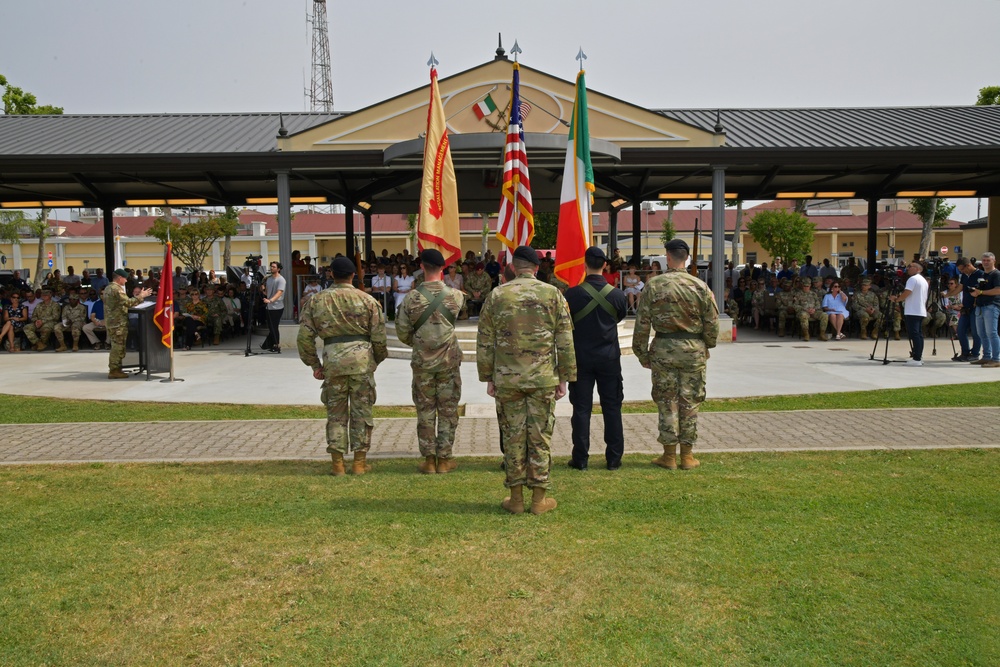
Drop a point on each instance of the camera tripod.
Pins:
(888, 310)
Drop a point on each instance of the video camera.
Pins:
(253, 262)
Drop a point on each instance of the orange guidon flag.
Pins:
(437, 224)
(163, 316)
(574, 233)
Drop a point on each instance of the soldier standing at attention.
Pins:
(352, 327)
(682, 312)
(524, 354)
(116, 305)
(597, 308)
(426, 322)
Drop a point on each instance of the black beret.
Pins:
(593, 252)
(526, 253)
(678, 244)
(343, 267)
(432, 257)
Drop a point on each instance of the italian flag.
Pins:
(485, 108)
(574, 232)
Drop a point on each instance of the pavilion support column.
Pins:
(109, 240)
(349, 228)
(636, 231)
(285, 240)
(872, 233)
(612, 232)
(719, 234)
(992, 229)
(369, 248)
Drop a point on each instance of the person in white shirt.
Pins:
(914, 298)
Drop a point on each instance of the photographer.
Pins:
(274, 302)
(969, 277)
(987, 293)
(914, 299)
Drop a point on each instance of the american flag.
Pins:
(516, 224)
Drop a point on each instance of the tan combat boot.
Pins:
(216, 341)
(895, 335)
(76, 344)
(446, 465)
(515, 503)
(117, 374)
(781, 332)
(40, 346)
(688, 461)
(668, 459)
(360, 467)
(61, 347)
(823, 336)
(805, 333)
(864, 335)
(429, 465)
(539, 503)
(337, 470)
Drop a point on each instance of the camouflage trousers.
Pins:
(116, 339)
(349, 423)
(35, 334)
(865, 318)
(783, 316)
(76, 328)
(678, 391)
(932, 323)
(526, 421)
(820, 316)
(215, 324)
(436, 397)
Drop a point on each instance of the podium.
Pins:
(152, 355)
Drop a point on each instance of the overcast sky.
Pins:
(140, 56)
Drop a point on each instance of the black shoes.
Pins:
(577, 466)
(614, 466)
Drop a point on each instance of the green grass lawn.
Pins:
(827, 558)
(57, 410)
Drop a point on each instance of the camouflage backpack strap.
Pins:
(436, 305)
(596, 299)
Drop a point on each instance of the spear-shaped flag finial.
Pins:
(433, 62)
(581, 56)
(515, 50)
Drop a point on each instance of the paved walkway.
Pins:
(477, 436)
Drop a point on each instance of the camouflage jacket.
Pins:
(48, 313)
(803, 301)
(479, 282)
(861, 301)
(216, 307)
(525, 338)
(675, 304)
(116, 305)
(435, 346)
(783, 300)
(75, 314)
(342, 310)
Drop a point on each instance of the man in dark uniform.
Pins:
(597, 308)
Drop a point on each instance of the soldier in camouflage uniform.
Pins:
(682, 312)
(116, 305)
(784, 305)
(897, 312)
(478, 287)
(216, 313)
(866, 309)
(809, 307)
(352, 327)
(42, 322)
(525, 354)
(75, 313)
(436, 361)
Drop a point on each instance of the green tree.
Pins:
(15, 223)
(933, 212)
(16, 102)
(192, 242)
(782, 233)
(546, 225)
(411, 224)
(668, 233)
(988, 96)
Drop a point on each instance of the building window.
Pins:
(751, 258)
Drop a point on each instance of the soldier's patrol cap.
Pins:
(817, 281)
(46, 292)
(432, 257)
(678, 244)
(866, 281)
(121, 272)
(526, 253)
(74, 295)
(342, 267)
(593, 252)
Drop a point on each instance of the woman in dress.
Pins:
(951, 304)
(632, 286)
(14, 318)
(835, 305)
(401, 285)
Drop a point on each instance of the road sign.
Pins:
(944, 250)
(50, 255)
(50, 263)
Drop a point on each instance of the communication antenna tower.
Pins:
(321, 92)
